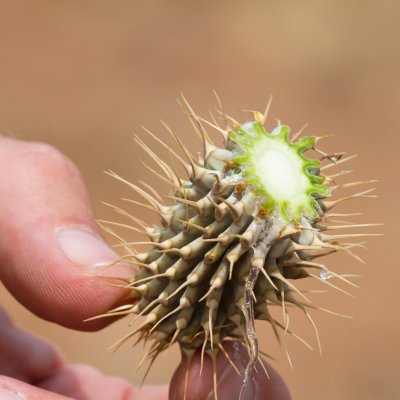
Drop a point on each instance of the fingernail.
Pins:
(259, 386)
(6, 394)
(230, 383)
(85, 248)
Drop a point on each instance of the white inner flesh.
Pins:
(280, 170)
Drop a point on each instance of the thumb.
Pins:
(50, 247)
(198, 384)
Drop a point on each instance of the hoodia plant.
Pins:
(251, 218)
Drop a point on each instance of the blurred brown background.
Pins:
(83, 75)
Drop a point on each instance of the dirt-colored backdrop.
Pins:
(84, 75)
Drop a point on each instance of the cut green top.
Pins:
(278, 170)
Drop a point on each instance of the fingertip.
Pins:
(187, 378)
(63, 289)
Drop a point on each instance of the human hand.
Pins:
(50, 250)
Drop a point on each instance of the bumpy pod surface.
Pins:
(250, 219)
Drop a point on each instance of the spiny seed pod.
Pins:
(251, 218)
